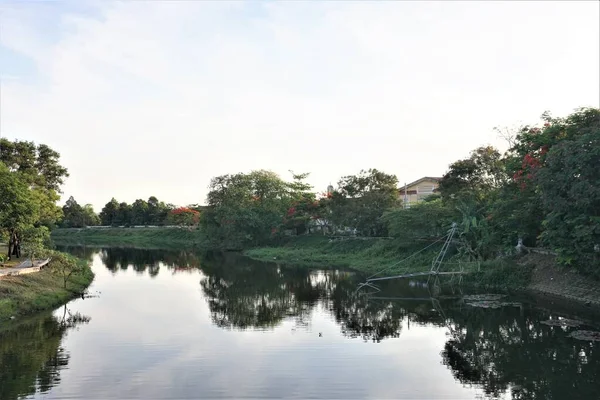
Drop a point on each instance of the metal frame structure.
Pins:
(433, 271)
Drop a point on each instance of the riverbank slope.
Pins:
(160, 237)
(44, 290)
(391, 257)
(535, 272)
(368, 255)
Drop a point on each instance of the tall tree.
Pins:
(76, 216)
(40, 168)
(19, 210)
(157, 211)
(244, 209)
(73, 215)
(361, 200)
(91, 218)
(123, 216)
(569, 184)
(139, 213)
(108, 215)
(304, 207)
(476, 176)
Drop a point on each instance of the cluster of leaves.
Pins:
(361, 200)
(248, 209)
(141, 212)
(76, 216)
(183, 216)
(65, 266)
(30, 179)
(251, 209)
(545, 190)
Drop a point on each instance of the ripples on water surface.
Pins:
(171, 325)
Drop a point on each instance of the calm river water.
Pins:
(174, 325)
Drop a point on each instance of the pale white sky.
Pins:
(147, 98)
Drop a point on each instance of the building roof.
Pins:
(425, 178)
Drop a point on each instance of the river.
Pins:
(177, 325)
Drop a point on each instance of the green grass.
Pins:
(371, 256)
(316, 251)
(39, 291)
(134, 237)
(361, 255)
(504, 274)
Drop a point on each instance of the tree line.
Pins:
(140, 213)
(543, 191)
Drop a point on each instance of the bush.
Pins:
(502, 273)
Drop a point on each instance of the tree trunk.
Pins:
(17, 246)
(10, 245)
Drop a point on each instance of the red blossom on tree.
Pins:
(184, 216)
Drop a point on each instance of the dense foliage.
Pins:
(30, 179)
(544, 191)
(76, 216)
(141, 212)
(248, 209)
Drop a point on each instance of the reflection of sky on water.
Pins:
(153, 338)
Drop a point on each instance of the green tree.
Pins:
(304, 205)
(35, 240)
(19, 210)
(569, 183)
(470, 189)
(108, 215)
(66, 266)
(245, 209)
(422, 222)
(139, 212)
(73, 214)
(476, 176)
(91, 218)
(157, 211)
(76, 216)
(361, 200)
(123, 216)
(39, 167)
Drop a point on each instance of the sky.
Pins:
(154, 98)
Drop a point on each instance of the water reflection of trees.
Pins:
(142, 260)
(83, 252)
(500, 350)
(508, 349)
(31, 356)
(245, 294)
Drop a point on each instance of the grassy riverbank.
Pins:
(27, 294)
(367, 256)
(134, 237)
(361, 255)
(370, 256)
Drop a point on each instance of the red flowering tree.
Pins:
(522, 209)
(301, 212)
(183, 216)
